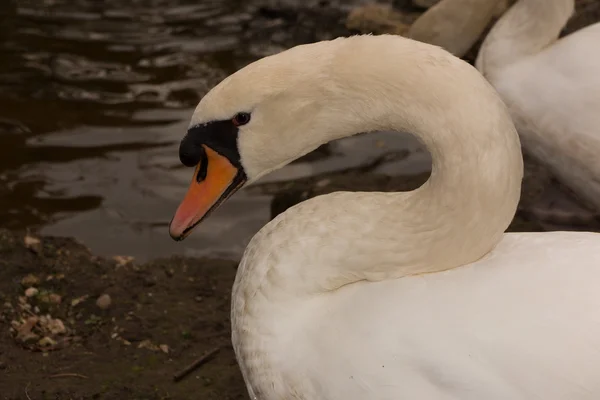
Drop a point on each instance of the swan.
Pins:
(381, 296)
(551, 87)
(456, 25)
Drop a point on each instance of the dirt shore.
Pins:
(58, 343)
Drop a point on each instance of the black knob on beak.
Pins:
(191, 152)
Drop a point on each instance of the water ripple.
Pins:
(95, 96)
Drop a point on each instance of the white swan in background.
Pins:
(456, 25)
(386, 296)
(552, 88)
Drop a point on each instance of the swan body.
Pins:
(552, 88)
(522, 323)
(415, 295)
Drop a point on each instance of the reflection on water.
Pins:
(94, 98)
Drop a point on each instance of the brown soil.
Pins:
(181, 304)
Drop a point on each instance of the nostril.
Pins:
(190, 153)
(203, 170)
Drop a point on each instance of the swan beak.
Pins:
(214, 180)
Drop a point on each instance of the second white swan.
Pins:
(552, 88)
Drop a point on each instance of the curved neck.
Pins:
(455, 218)
(454, 25)
(526, 28)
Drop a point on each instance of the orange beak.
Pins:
(219, 180)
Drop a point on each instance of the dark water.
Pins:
(94, 98)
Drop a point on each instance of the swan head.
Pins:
(253, 122)
(281, 107)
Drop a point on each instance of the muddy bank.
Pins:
(61, 342)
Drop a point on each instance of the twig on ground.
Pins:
(196, 364)
(68, 375)
(26, 391)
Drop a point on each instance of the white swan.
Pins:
(381, 296)
(552, 88)
(456, 25)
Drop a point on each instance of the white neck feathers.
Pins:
(454, 219)
(526, 28)
(454, 25)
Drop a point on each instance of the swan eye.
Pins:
(241, 119)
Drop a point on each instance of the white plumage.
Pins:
(552, 88)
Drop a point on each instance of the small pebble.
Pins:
(46, 342)
(32, 243)
(54, 298)
(56, 326)
(323, 183)
(78, 300)
(30, 280)
(30, 292)
(30, 240)
(122, 260)
(104, 302)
